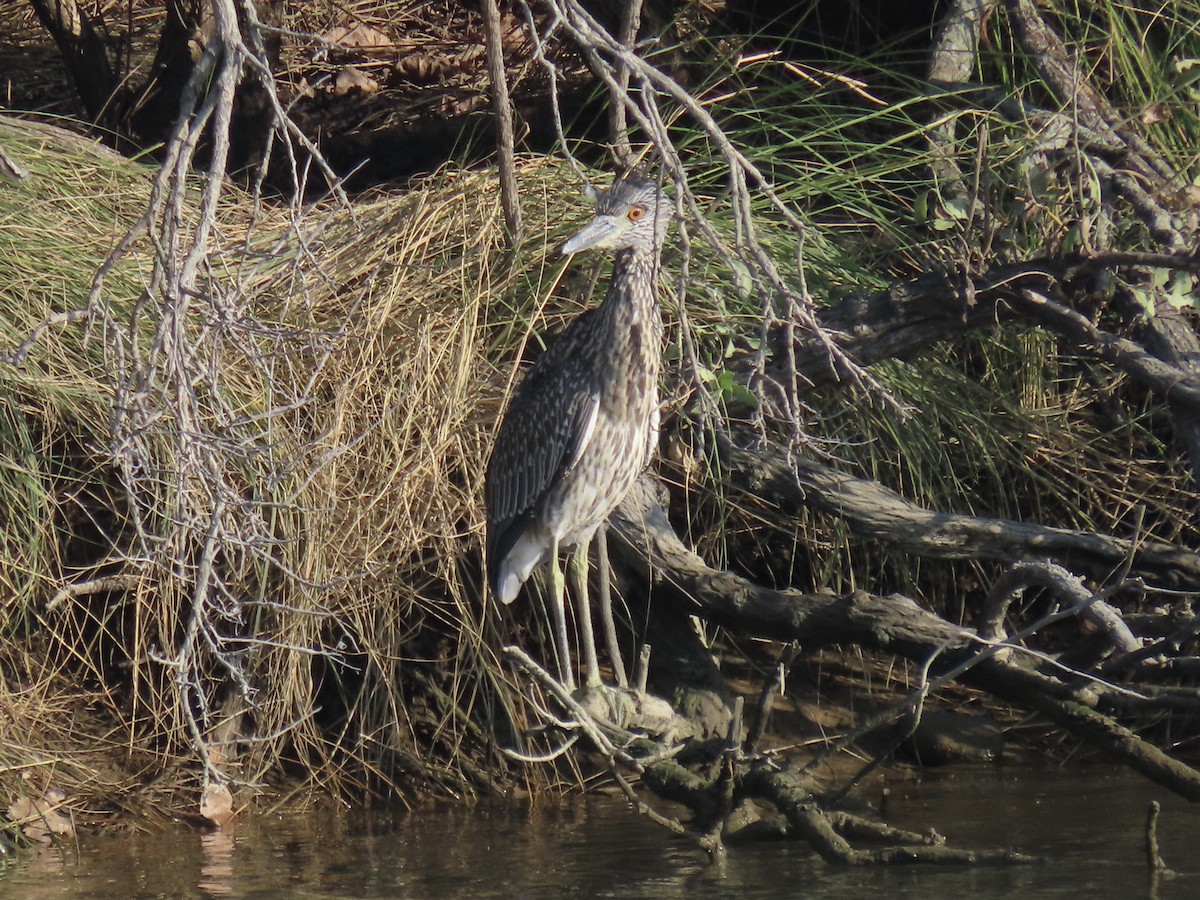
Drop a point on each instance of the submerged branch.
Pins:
(789, 794)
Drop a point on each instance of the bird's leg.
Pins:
(558, 612)
(579, 575)
(604, 576)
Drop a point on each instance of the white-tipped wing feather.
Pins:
(549, 424)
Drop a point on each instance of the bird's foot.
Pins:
(604, 703)
(627, 709)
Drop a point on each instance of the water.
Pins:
(1088, 824)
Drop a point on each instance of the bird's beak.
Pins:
(596, 233)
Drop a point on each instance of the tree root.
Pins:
(646, 543)
(827, 832)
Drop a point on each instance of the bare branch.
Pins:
(502, 108)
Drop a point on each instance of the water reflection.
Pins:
(216, 868)
(1089, 825)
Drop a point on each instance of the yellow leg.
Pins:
(579, 575)
(558, 612)
(606, 613)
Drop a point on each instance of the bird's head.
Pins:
(632, 213)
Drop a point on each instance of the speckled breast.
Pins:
(616, 455)
(628, 348)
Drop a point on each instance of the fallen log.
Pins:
(646, 544)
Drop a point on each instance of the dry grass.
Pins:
(411, 300)
(367, 346)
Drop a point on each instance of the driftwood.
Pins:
(1087, 708)
(876, 512)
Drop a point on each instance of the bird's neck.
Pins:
(634, 282)
(630, 316)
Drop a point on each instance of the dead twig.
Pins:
(502, 108)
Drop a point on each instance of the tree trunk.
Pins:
(83, 53)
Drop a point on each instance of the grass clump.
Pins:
(363, 372)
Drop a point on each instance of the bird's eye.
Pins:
(635, 213)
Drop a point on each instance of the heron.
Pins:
(582, 424)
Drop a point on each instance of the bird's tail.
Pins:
(507, 573)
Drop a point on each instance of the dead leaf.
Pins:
(451, 107)
(216, 805)
(422, 68)
(470, 57)
(352, 79)
(359, 37)
(1155, 113)
(514, 36)
(40, 819)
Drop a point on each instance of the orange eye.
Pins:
(635, 213)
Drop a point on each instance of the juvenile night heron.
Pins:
(582, 424)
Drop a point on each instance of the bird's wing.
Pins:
(536, 447)
(548, 425)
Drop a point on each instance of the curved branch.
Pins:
(1054, 577)
(647, 544)
(876, 512)
(643, 540)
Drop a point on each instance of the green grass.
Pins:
(1006, 423)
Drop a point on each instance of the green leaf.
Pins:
(1039, 182)
(741, 277)
(1071, 239)
(1181, 291)
(921, 208)
(1144, 299)
(955, 208)
(733, 391)
(1188, 72)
